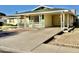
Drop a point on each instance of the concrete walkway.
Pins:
(47, 48)
(65, 43)
(28, 40)
(70, 39)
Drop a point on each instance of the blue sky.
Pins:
(11, 9)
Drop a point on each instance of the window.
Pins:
(11, 20)
(31, 17)
(42, 16)
(36, 18)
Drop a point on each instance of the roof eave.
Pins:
(43, 12)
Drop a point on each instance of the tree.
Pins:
(2, 14)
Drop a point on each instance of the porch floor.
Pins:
(27, 41)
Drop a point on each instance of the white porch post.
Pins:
(24, 22)
(41, 21)
(18, 22)
(67, 21)
(61, 19)
(40, 17)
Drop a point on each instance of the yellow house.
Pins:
(43, 17)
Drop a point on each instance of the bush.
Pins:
(10, 25)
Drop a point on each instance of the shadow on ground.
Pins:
(6, 33)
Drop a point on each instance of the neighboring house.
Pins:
(12, 20)
(2, 18)
(43, 17)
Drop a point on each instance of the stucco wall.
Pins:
(48, 20)
(71, 20)
(56, 20)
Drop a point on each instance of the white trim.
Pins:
(42, 6)
(61, 21)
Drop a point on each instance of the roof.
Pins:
(42, 9)
(45, 8)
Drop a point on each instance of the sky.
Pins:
(11, 9)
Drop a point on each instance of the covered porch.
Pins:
(62, 20)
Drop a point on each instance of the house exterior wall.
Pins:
(56, 20)
(48, 20)
(71, 20)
